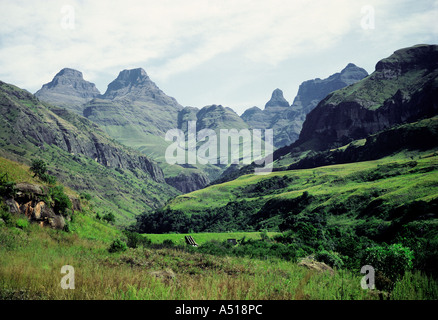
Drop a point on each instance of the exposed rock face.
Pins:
(68, 89)
(311, 92)
(404, 88)
(312, 264)
(136, 85)
(135, 112)
(67, 131)
(188, 181)
(277, 100)
(287, 120)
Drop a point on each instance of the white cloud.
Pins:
(172, 37)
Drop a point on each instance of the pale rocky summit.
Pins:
(136, 85)
(69, 90)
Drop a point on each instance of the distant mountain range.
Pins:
(95, 141)
(287, 120)
(402, 89)
(135, 112)
(345, 125)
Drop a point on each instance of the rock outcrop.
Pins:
(69, 90)
(30, 200)
(403, 89)
(287, 120)
(188, 181)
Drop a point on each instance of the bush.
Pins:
(39, 168)
(168, 243)
(333, 259)
(390, 260)
(48, 179)
(118, 246)
(7, 186)
(61, 201)
(109, 217)
(86, 196)
(135, 239)
(6, 216)
(22, 223)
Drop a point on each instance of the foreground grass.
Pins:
(31, 261)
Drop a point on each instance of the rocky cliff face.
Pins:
(189, 181)
(287, 120)
(58, 127)
(311, 92)
(403, 88)
(68, 89)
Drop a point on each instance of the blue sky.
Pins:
(202, 52)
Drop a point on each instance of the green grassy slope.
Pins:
(31, 259)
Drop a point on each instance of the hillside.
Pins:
(402, 89)
(136, 269)
(80, 155)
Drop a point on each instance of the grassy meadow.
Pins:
(31, 257)
(31, 261)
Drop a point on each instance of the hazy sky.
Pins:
(202, 52)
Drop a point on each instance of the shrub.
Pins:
(118, 246)
(39, 168)
(49, 179)
(61, 201)
(168, 243)
(333, 259)
(135, 239)
(7, 186)
(22, 223)
(6, 216)
(86, 196)
(109, 217)
(392, 261)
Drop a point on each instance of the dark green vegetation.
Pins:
(342, 209)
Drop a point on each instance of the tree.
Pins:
(392, 261)
(39, 168)
(109, 217)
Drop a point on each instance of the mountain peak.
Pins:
(68, 89)
(277, 100)
(68, 72)
(133, 75)
(135, 85)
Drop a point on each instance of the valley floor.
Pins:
(31, 260)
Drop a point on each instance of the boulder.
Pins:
(57, 222)
(13, 206)
(38, 209)
(312, 264)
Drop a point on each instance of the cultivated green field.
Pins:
(202, 238)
